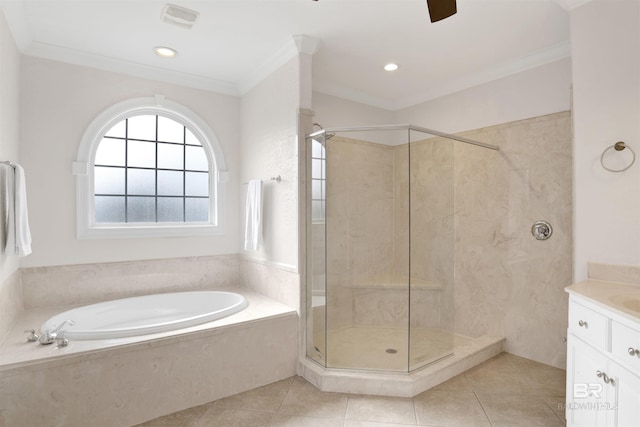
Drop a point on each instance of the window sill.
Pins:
(117, 231)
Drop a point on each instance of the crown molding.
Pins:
(15, 17)
(76, 57)
(555, 53)
(296, 45)
(350, 94)
(569, 5)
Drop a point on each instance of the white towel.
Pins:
(17, 219)
(254, 215)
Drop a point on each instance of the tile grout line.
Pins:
(415, 410)
(478, 400)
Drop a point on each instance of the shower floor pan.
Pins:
(358, 360)
(385, 349)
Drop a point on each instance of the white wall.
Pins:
(58, 101)
(536, 92)
(332, 112)
(9, 120)
(605, 39)
(269, 148)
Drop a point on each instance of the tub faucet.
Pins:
(48, 337)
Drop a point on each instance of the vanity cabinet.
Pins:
(603, 367)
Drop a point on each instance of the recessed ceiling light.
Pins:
(165, 52)
(391, 67)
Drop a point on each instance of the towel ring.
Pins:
(618, 146)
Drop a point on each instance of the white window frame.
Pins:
(84, 166)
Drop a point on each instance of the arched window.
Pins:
(149, 167)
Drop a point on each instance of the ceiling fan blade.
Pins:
(441, 9)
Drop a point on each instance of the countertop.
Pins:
(607, 295)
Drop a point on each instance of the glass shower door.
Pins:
(432, 249)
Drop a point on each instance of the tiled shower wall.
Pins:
(368, 221)
(506, 282)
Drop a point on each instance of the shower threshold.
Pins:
(371, 374)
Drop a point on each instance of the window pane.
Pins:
(196, 159)
(170, 183)
(170, 131)
(317, 210)
(170, 156)
(118, 130)
(109, 209)
(142, 127)
(197, 184)
(141, 209)
(170, 209)
(317, 167)
(142, 154)
(191, 139)
(141, 181)
(197, 209)
(317, 150)
(317, 189)
(110, 152)
(109, 180)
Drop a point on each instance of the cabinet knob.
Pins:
(582, 324)
(633, 351)
(606, 378)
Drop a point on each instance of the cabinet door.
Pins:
(627, 387)
(589, 399)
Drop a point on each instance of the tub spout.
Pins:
(48, 337)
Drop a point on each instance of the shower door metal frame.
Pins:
(323, 133)
(408, 128)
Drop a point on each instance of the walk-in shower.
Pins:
(380, 247)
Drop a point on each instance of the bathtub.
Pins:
(145, 314)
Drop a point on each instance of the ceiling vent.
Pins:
(179, 16)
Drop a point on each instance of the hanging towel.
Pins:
(17, 219)
(254, 215)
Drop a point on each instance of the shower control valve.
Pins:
(541, 230)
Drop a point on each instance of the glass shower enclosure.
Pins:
(380, 247)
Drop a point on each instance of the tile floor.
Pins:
(504, 391)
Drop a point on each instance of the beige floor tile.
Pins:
(381, 409)
(354, 423)
(557, 405)
(449, 408)
(284, 420)
(521, 362)
(305, 400)
(458, 383)
(186, 418)
(227, 417)
(514, 411)
(498, 376)
(265, 398)
(548, 381)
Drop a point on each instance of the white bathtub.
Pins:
(146, 314)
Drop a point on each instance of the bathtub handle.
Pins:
(33, 337)
(48, 337)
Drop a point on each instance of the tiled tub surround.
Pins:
(90, 283)
(125, 381)
(11, 302)
(129, 380)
